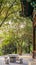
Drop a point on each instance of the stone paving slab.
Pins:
(26, 61)
(32, 62)
(15, 64)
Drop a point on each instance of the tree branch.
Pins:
(1, 3)
(7, 13)
(7, 17)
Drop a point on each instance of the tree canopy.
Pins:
(15, 31)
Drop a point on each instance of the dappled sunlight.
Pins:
(17, 32)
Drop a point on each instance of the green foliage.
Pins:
(9, 48)
(1, 50)
(15, 31)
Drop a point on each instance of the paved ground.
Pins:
(26, 59)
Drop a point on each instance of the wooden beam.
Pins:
(34, 44)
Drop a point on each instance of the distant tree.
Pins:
(27, 7)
